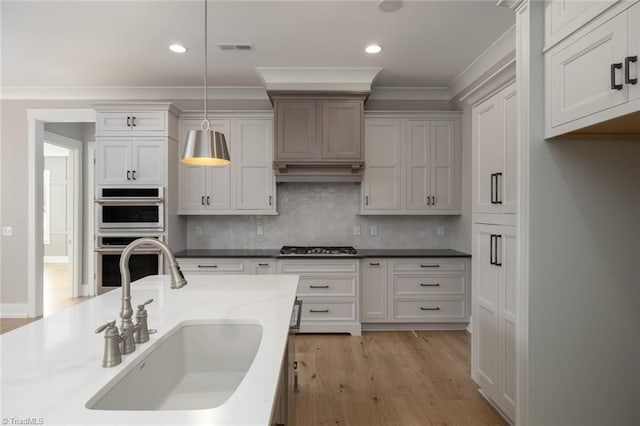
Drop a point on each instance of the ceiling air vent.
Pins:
(234, 46)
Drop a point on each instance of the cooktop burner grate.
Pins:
(318, 250)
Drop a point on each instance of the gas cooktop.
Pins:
(317, 251)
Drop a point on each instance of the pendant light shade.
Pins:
(205, 147)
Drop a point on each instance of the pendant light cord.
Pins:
(205, 122)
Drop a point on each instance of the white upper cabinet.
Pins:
(246, 186)
(591, 76)
(139, 161)
(563, 17)
(412, 165)
(495, 153)
(125, 122)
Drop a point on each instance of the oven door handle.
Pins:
(119, 250)
(129, 201)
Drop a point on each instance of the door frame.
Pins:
(75, 254)
(36, 117)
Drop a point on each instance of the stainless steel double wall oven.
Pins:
(124, 214)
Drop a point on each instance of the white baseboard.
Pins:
(56, 259)
(15, 310)
(413, 326)
(469, 325)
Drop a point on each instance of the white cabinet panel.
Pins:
(634, 50)
(254, 155)
(148, 162)
(374, 290)
(113, 162)
(508, 185)
(418, 159)
(382, 174)
(562, 17)
(443, 167)
(135, 161)
(123, 122)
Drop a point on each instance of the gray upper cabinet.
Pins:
(318, 130)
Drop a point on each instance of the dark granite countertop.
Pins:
(275, 253)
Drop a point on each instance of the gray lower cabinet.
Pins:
(415, 290)
(226, 265)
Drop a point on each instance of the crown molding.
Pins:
(502, 50)
(490, 85)
(318, 79)
(410, 93)
(132, 93)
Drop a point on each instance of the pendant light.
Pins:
(205, 147)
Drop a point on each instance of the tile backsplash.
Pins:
(317, 214)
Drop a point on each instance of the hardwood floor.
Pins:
(56, 296)
(389, 379)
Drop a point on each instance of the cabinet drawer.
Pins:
(303, 266)
(212, 266)
(330, 311)
(411, 285)
(137, 121)
(423, 265)
(326, 286)
(429, 309)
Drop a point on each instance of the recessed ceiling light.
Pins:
(373, 48)
(177, 48)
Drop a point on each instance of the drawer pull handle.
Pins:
(627, 64)
(319, 286)
(429, 266)
(263, 264)
(207, 266)
(374, 263)
(429, 309)
(319, 311)
(429, 285)
(614, 67)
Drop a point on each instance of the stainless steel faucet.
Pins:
(130, 333)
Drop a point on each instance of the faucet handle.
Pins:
(108, 326)
(141, 307)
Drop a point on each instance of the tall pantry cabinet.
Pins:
(493, 364)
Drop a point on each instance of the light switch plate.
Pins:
(440, 230)
(198, 231)
(260, 230)
(7, 231)
(356, 229)
(373, 230)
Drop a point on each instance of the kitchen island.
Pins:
(51, 368)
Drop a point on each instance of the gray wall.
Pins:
(318, 214)
(584, 283)
(57, 167)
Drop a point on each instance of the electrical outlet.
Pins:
(260, 230)
(373, 230)
(7, 231)
(198, 231)
(440, 230)
(356, 229)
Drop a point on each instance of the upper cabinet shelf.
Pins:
(592, 75)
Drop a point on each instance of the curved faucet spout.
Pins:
(126, 312)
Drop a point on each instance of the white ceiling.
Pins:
(125, 43)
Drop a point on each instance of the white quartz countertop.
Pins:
(52, 367)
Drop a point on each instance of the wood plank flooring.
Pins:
(389, 379)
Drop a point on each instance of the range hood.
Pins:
(318, 130)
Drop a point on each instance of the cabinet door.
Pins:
(486, 131)
(254, 161)
(580, 73)
(507, 320)
(382, 182)
(114, 162)
(634, 50)
(261, 266)
(113, 122)
(443, 166)
(418, 161)
(507, 152)
(219, 179)
(374, 290)
(148, 161)
(144, 121)
(485, 293)
(193, 180)
(341, 130)
(562, 17)
(296, 130)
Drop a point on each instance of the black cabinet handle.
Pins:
(202, 200)
(498, 262)
(491, 261)
(429, 285)
(433, 200)
(207, 266)
(208, 200)
(128, 121)
(493, 200)
(627, 65)
(429, 309)
(270, 200)
(374, 263)
(133, 121)
(498, 188)
(319, 286)
(133, 174)
(319, 311)
(614, 67)
(429, 266)
(263, 264)
(366, 200)
(128, 174)
(428, 200)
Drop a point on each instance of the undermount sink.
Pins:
(197, 365)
